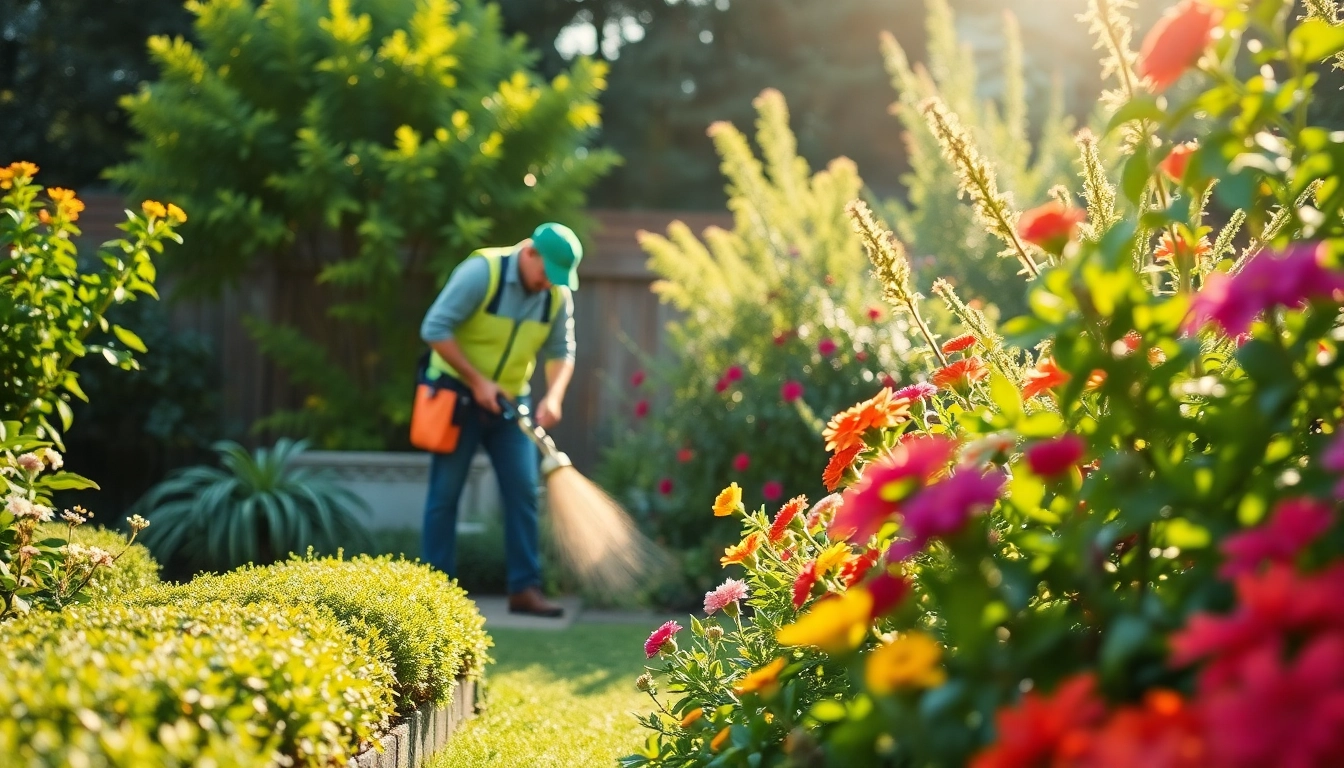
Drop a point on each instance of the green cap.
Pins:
(561, 252)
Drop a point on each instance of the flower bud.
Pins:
(644, 683)
(714, 634)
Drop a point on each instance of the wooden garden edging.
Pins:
(423, 733)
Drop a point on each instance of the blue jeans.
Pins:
(516, 460)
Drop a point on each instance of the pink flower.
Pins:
(662, 640)
(722, 386)
(916, 392)
(1048, 458)
(823, 511)
(790, 391)
(861, 356)
(685, 455)
(867, 504)
(1270, 280)
(943, 508)
(642, 409)
(1276, 712)
(734, 373)
(888, 592)
(874, 313)
(1333, 458)
(1294, 524)
(637, 379)
(772, 490)
(730, 591)
(665, 486)
(741, 462)
(30, 462)
(826, 347)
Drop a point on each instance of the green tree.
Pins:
(377, 140)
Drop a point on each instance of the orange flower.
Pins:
(1050, 226)
(719, 739)
(959, 344)
(846, 429)
(1178, 159)
(740, 552)
(764, 681)
(1095, 380)
(838, 466)
(59, 193)
(960, 375)
(692, 716)
(153, 209)
(16, 171)
(1046, 375)
(1176, 42)
(1165, 249)
(728, 501)
(786, 515)
(44, 217)
(176, 214)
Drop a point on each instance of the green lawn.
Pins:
(557, 700)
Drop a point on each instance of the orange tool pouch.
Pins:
(434, 424)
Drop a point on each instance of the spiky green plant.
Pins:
(254, 508)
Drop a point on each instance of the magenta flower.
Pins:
(734, 373)
(916, 392)
(662, 640)
(826, 347)
(637, 379)
(722, 386)
(790, 391)
(642, 409)
(1287, 279)
(888, 592)
(772, 490)
(941, 509)
(730, 591)
(741, 462)
(1294, 524)
(665, 486)
(1056, 456)
(870, 503)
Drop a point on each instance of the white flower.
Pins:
(137, 523)
(29, 551)
(53, 459)
(73, 518)
(31, 463)
(18, 506)
(978, 453)
(76, 551)
(43, 513)
(101, 556)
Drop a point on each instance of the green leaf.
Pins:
(67, 481)
(1140, 108)
(1315, 40)
(1136, 174)
(129, 338)
(1006, 397)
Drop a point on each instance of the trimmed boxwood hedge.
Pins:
(197, 684)
(432, 631)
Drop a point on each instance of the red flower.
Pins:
(722, 386)
(1046, 375)
(1050, 226)
(1045, 730)
(685, 455)
(642, 409)
(861, 356)
(782, 337)
(1176, 161)
(734, 373)
(741, 461)
(888, 381)
(1165, 732)
(662, 636)
(1176, 42)
(786, 514)
(959, 376)
(959, 343)
(942, 509)
(826, 347)
(637, 379)
(839, 464)
(854, 570)
(790, 391)
(874, 313)
(772, 490)
(888, 592)
(1294, 524)
(1269, 280)
(869, 504)
(1048, 458)
(802, 586)
(665, 486)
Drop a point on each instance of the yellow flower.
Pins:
(764, 681)
(836, 625)
(20, 171)
(742, 551)
(60, 193)
(719, 739)
(832, 558)
(729, 500)
(692, 716)
(176, 214)
(153, 209)
(909, 661)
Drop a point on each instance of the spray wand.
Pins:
(552, 458)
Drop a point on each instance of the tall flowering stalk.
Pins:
(1097, 188)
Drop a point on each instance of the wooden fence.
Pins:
(614, 310)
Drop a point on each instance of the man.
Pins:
(501, 308)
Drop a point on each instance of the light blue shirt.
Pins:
(465, 292)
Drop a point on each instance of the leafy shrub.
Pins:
(133, 569)
(256, 508)
(189, 685)
(1112, 537)
(433, 632)
(376, 142)
(775, 328)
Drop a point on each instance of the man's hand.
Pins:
(548, 412)
(486, 394)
